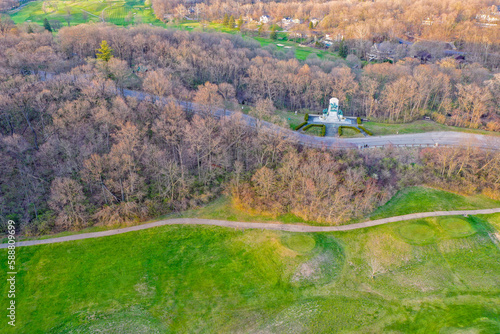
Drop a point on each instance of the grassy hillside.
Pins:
(427, 276)
(424, 199)
(120, 12)
(282, 43)
(383, 129)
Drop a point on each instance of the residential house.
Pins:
(265, 19)
(381, 51)
(314, 22)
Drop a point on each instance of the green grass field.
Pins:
(423, 199)
(120, 12)
(421, 276)
(301, 52)
(350, 133)
(383, 129)
(409, 200)
(314, 131)
(410, 277)
(292, 119)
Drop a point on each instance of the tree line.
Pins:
(457, 94)
(362, 23)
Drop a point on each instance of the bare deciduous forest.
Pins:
(75, 151)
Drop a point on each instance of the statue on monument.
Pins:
(333, 114)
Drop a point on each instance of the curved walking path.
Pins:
(263, 226)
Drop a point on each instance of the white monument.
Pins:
(333, 114)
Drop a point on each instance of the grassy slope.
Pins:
(382, 129)
(292, 119)
(423, 199)
(313, 131)
(301, 52)
(350, 133)
(211, 279)
(115, 12)
(410, 200)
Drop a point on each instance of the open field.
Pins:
(410, 277)
(120, 12)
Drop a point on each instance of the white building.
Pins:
(265, 19)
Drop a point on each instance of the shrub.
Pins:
(439, 118)
(307, 127)
(368, 132)
(306, 117)
(322, 126)
(300, 125)
(358, 120)
(348, 127)
(352, 128)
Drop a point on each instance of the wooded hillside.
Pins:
(74, 151)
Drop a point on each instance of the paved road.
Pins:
(444, 138)
(245, 225)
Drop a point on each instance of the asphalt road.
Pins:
(245, 225)
(444, 138)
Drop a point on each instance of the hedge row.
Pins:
(368, 132)
(307, 127)
(323, 128)
(300, 125)
(348, 127)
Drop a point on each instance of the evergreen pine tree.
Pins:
(105, 52)
(311, 25)
(273, 34)
(46, 25)
(240, 23)
(231, 22)
(30, 29)
(342, 49)
(225, 22)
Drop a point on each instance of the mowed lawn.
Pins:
(120, 12)
(420, 126)
(424, 199)
(411, 277)
(301, 51)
